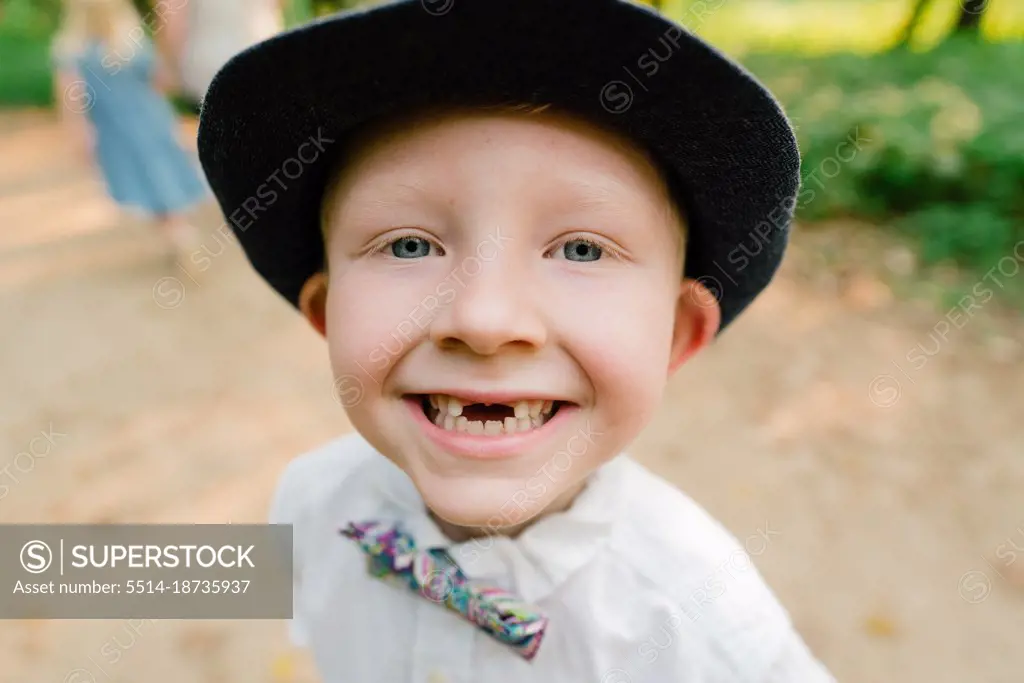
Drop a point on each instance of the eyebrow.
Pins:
(395, 197)
(588, 195)
(601, 196)
(414, 189)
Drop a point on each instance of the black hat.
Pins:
(275, 117)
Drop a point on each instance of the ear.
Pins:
(698, 316)
(313, 302)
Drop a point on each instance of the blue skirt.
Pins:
(136, 133)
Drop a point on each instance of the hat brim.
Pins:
(273, 116)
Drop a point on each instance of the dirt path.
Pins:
(893, 490)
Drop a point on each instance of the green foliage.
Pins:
(940, 151)
(31, 18)
(26, 28)
(321, 8)
(25, 75)
(931, 143)
(742, 27)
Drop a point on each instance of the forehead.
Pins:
(507, 144)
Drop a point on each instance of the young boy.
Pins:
(512, 220)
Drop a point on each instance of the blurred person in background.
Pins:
(108, 91)
(202, 35)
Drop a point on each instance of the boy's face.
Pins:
(504, 306)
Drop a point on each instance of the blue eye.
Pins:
(581, 250)
(410, 247)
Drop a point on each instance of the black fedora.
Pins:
(275, 118)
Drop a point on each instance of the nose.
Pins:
(493, 309)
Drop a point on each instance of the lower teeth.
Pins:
(509, 425)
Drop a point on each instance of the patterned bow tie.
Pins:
(434, 574)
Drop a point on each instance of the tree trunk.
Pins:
(970, 16)
(915, 18)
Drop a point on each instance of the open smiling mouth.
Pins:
(488, 419)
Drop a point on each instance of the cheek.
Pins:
(623, 345)
(371, 322)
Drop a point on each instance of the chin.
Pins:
(482, 503)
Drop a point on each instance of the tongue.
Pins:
(481, 413)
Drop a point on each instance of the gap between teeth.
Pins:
(528, 415)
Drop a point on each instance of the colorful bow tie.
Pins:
(434, 574)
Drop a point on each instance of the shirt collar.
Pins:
(542, 557)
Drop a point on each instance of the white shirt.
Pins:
(220, 29)
(640, 585)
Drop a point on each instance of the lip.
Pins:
(491, 397)
(480, 447)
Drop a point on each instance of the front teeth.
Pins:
(454, 406)
(528, 415)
